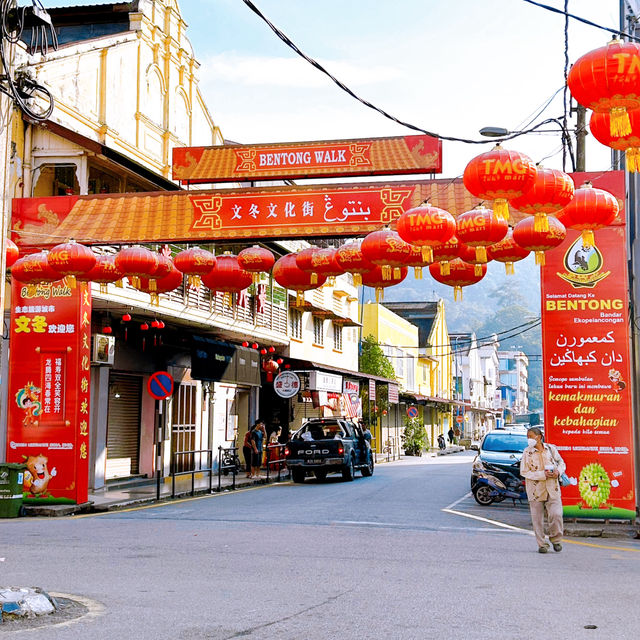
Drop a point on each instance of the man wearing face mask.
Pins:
(541, 466)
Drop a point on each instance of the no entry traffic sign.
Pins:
(160, 385)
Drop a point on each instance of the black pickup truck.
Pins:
(328, 445)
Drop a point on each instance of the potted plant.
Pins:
(414, 437)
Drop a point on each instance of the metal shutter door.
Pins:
(123, 425)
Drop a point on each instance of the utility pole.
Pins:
(581, 135)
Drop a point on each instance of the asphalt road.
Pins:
(374, 558)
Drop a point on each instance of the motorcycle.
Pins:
(230, 462)
(495, 486)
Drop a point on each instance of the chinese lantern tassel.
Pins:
(379, 294)
(501, 209)
(445, 268)
(314, 278)
(508, 268)
(103, 287)
(417, 272)
(477, 269)
(481, 254)
(299, 298)
(269, 376)
(70, 281)
(540, 258)
(144, 342)
(159, 339)
(587, 238)
(118, 284)
(541, 222)
(427, 254)
(633, 159)
(457, 291)
(228, 298)
(155, 299)
(619, 123)
(386, 272)
(357, 280)
(397, 273)
(125, 334)
(153, 285)
(155, 341)
(256, 277)
(194, 281)
(134, 281)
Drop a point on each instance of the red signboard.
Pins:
(586, 367)
(326, 159)
(49, 376)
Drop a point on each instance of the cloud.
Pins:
(290, 72)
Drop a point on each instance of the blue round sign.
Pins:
(412, 412)
(160, 385)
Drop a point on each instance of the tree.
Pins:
(373, 361)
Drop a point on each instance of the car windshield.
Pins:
(320, 431)
(505, 442)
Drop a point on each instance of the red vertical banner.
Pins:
(587, 397)
(49, 371)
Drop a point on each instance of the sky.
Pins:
(451, 68)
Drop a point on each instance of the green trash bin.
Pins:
(11, 478)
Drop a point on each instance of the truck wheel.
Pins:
(348, 471)
(368, 470)
(297, 475)
(320, 474)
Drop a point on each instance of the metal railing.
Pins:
(198, 468)
(276, 460)
(228, 461)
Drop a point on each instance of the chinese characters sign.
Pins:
(49, 364)
(375, 156)
(586, 369)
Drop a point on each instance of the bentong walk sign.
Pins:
(323, 159)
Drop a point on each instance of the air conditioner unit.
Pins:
(104, 349)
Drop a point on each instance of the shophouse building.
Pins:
(125, 84)
(514, 385)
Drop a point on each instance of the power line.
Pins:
(368, 104)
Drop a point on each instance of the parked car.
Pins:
(328, 445)
(499, 457)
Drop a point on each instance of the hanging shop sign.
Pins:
(49, 374)
(321, 381)
(217, 361)
(346, 209)
(326, 159)
(393, 393)
(351, 387)
(286, 384)
(587, 397)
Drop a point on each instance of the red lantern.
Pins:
(270, 366)
(461, 274)
(479, 228)
(11, 252)
(288, 274)
(263, 351)
(508, 252)
(304, 261)
(445, 252)
(255, 260)
(194, 263)
(126, 317)
(388, 250)
(34, 269)
(630, 144)
(136, 262)
(160, 285)
(324, 263)
(245, 344)
(279, 360)
(606, 80)
(349, 257)
(144, 327)
(272, 349)
(499, 175)
(551, 191)
(426, 226)
(71, 259)
(255, 345)
(107, 330)
(590, 209)
(155, 324)
(526, 235)
(417, 260)
(104, 272)
(470, 255)
(376, 280)
(161, 324)
(227, 276)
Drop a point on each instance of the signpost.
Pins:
(412, 411)
(160, 386)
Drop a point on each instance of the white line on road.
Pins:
(487, 520)
(400, 525)
(453, 504)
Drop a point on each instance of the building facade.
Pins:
(514, 383)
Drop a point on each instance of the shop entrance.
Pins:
(183, 427)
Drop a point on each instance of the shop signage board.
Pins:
(351, 387)
(372, 389)
(393, 394)
(322, 159)
(321, 381)
(251, 214)
(49, 376)
(287, 384)
(587, 396)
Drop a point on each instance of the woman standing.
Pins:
(247, 451)
(541, 466)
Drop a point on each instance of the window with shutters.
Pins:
(318, 331)
(337, 337)
(295, 323)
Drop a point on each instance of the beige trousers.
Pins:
(553, 507)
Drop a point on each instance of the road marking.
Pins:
(177, 501)
(487, 520)
(464, 497)
(601, 546)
